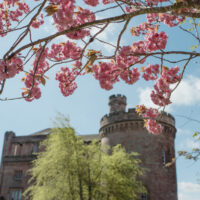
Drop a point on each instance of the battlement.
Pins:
(132, 115)
(118, 96)
(117, 103)
(119, 115)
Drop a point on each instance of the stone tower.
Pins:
(127, 128)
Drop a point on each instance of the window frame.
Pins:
(143, 196)
(163, 157)
(35, 148)
(15, 194)
(18, 175)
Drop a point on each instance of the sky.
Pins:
(89, 103)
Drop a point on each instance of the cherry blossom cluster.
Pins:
(13, 15)
(36, 76)
(38, 21)
(67, 14)
(154, 2)
(168, 19)
(96, 2)
(64, 18)
(64, 51)
(162, 91)
(156, 41)
(92, 2)
(152, 42)
(150, 115)
(142, 29)
(66, 79)
(10, 68)
(153, 126)
(151, 72)
(109, 73)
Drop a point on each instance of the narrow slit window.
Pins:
(163, 157)
(15, 149)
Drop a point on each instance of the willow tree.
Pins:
(70, 169)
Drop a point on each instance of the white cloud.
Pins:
(189, 187)
(109, 36)
(188, 191)
(183, 131)
(187, 93)
(144, 97)
(188, 144)
(49, 27)
(106, 34)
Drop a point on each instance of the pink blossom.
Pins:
(151, 72)
(10, 68)
(130, 76)
(71, 50)
(156, 41)
(56, 52)
(107, 74)
(107, 1)
(23, 7)
(38, 22)
(162, 92)
(171, 20)
(155, 2)
(92, 2)
(66, 81)
(170, 74)
(151, 113)
(34, 93)
(153, 127)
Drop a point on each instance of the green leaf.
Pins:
(195, 134)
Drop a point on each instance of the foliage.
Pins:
(81, 51)
(70, 169)
(195, 153)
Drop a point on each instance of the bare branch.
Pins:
(163, 9)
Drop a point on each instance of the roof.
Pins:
(90, 137)
(47, 131)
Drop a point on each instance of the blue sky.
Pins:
(89, 102)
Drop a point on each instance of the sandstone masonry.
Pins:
(118, 127)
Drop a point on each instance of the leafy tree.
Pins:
(70, 169)
(36, 55)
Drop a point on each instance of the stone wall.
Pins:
(127, 129)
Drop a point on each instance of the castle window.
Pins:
(15, 149)
(143, 197)
(35, 148)
(15, 194)
(163, 157)
(18, 175)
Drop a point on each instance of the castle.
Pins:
(118, 127)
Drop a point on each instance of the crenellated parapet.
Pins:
(117, 103)
(118, 119)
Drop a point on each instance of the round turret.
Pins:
(127, 128)
(117, 103)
